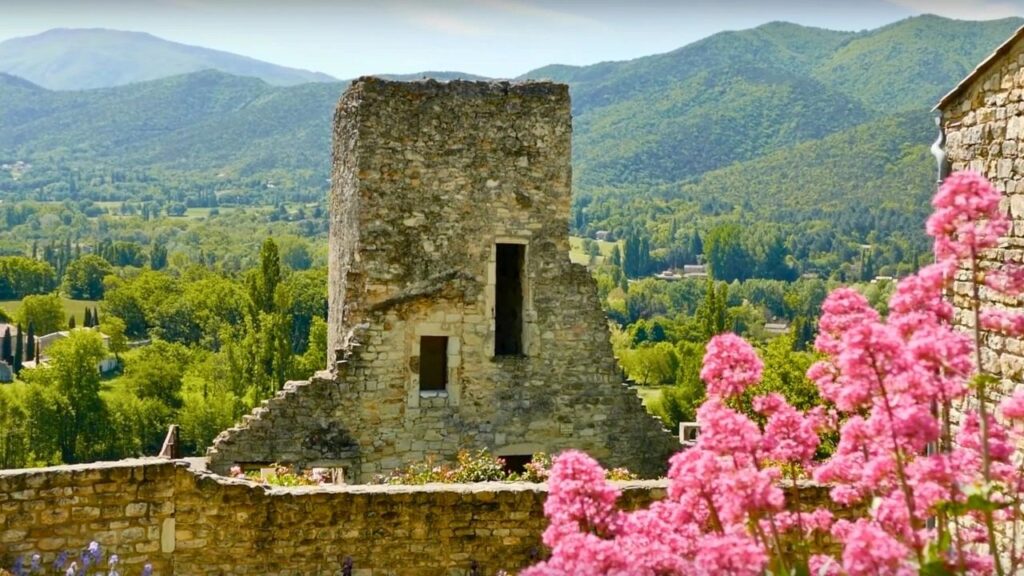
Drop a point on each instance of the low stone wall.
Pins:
(193, 523)
(189, 522)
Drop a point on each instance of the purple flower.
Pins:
(61, 560)
(113, 560)
(36, 559)
(19, 567)
(147, 570)
(95, 552)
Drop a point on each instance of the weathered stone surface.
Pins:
(984, 127)
(197, 523)
(428, 178)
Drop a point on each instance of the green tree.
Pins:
(655, 364)
(83, 279)
(113, 327)
(19, 350)
(21, 276)
(264, 281)
(727, 258)
(157, 256)
(679, 403)
(43, 312)
(73, 376)
(156, 371)
(713, 314)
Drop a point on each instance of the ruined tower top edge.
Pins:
(467, 87)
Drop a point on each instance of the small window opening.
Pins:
(508, 304)
(433, 362)
(516, 463)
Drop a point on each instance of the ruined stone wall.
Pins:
(428, 178)
(984, 128)
(50, 510)
(192, 523)
(195, 523)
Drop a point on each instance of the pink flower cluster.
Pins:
(730, 365)
(936, 498)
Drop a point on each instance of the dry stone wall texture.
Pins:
(429, 179)
(195, 523)
(984, 126)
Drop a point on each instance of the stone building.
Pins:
(983, 122)
(456, 319)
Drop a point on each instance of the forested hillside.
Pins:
(189, 213)
(782, 126)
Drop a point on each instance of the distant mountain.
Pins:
(77, 59)
(716, 107)
(735, 96)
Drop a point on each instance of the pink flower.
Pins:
(918, 301)
(966, 220)
(868, 550)
(725, 431)
(821, 565)
(1012, 408)
(733, 554)
(1009, 279)
(579, 498)
(789, 435)
(1004, 321)
(841, 310)
(730, 365)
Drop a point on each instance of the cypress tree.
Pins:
(87, 322)
(6, 348)
(19, 350)
(71, 322)
(30, 346)
(95, 316)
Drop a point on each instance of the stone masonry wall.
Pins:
(984, 126)
(428, 178)
(195, 523)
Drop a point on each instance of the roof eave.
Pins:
(999, 52)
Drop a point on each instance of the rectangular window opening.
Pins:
(433, 363)
(516, 463)
(508, 304)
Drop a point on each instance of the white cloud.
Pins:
(447, 18)
(965, 9)
(531, 11)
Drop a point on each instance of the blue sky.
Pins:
(347, 38)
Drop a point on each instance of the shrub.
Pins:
(927, 498)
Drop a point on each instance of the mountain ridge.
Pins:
(88, 58)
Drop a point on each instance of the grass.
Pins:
(650, 394)
(75, 307)
(579, 256)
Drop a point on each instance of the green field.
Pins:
(649, 393)
(76, 307)
(578, 256)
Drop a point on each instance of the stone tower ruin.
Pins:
(456, 319)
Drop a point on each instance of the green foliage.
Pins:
(679, 403)
(83, 279)
(45, 313)
(21, 276)
(156, 372)
(68, 388)
(651, 364)
(713, 315)
(479, 466)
